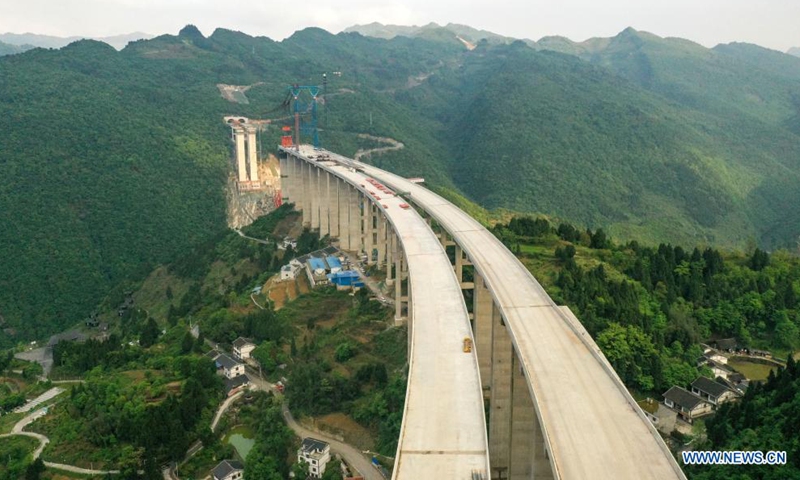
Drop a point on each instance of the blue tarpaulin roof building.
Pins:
(317, 264)
(334, 262)
(347, 278)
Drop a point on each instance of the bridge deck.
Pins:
(591, 425)
(444, 431)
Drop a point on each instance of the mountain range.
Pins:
(116, 161)
(27, 41)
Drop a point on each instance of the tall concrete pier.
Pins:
(245, 142)
(555, 407)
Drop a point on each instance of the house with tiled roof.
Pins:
(688, 405)
(228, 470)
(715, 393)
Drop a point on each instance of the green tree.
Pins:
(759, 260)
(187, 343)
(35, 469)
(260, 466)
(266, 355)
(631, 352)
(787, 333)
(149, 333)
(344, 351)
(333, 471)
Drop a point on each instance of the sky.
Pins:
(770, 23)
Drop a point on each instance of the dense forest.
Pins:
(657, 140)
(649, 308)
(597, 145)
(129, 168)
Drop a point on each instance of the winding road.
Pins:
(223, 408)
(263, 242)
(352, 456)
(393, 145)
(43, 441)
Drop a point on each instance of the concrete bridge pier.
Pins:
(445, 239)
(316, 195)
(324, 194)
(459, 264)
(461, 261)
(286, 178)
(344, 214)
(241, 164)
(296, 181)
(380, 241)
(391, 251)
(339, 217)
(542, 470)
(398, 296)
(308, 200)
(356, 221)
(283, 179)
(500, 398)
(401, 297)
(522, 425)
(335, 198)
(369, 229)
(516, 441)
(409, 315)
(252, 154)
(482, 310)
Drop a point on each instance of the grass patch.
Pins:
(753, 371)
(15, 454)
(8, 421)
(649, 407)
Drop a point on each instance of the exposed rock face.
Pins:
(244, 207)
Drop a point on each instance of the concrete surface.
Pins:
(592, 427)
(52, 393)
(444, 432)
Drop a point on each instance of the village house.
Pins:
(725, 344)
(242, 348)
(715, 392)
(230, 367)
(720, 369)
(236, 384)
(289, 271)
(316, 454)
(713, 355)
(688, 405)
(228, 470)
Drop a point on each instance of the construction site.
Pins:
(254, 187)
(254, 184)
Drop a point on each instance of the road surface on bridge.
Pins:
(592, 426)
(444, 430)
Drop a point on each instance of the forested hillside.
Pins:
(655, 139)
(650, 308)
(9, 49)
(113, 162)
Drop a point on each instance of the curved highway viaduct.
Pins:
(556, 408)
